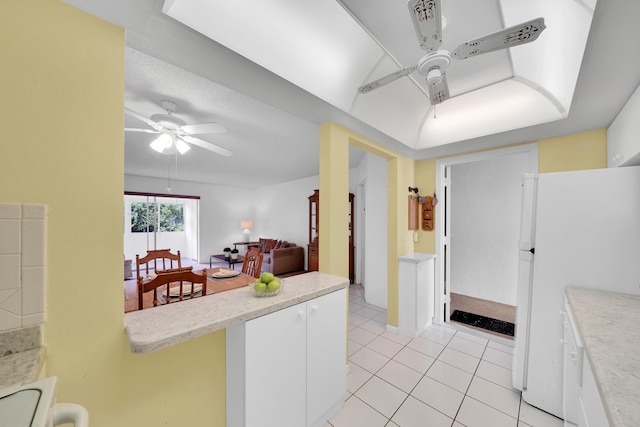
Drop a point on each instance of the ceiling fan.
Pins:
(428, 22)
(174, 134)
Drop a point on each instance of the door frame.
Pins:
(442, 298)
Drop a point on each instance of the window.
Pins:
(160, 221)
(149, 217)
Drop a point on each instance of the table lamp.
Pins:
(247, 224)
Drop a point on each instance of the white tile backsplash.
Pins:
(9, 236)
(22, 265)
(10, 268)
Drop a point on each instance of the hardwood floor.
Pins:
(482, 307)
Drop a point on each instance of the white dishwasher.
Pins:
(573, 353)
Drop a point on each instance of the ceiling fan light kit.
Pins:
(162, 142)
(429, 23)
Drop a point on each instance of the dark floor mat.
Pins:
(495, 325)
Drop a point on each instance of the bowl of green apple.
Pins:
(267, 285)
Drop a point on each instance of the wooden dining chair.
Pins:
(156, 261)
(252, 262)
(178, 286)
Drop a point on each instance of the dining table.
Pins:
(219, 279)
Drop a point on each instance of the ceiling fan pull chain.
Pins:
(169, 177)
(434, 111)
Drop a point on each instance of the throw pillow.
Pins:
(271, 244)
(278, 244)
(285, 244)
(263, 245)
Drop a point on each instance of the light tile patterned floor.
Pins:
(445, 377)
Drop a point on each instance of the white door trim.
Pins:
(441, 291)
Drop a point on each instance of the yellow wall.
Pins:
(585, 150)
(334, 188)
(426, 183)
(62, 87)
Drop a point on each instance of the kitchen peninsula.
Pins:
(200, 316)
(291, 345)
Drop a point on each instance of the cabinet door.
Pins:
(326, 354)
(594, 412)
(276, 369)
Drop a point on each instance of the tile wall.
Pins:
(22, 265)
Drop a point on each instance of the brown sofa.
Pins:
(282, 261)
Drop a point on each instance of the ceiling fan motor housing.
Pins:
(439, 59)
(168, 121)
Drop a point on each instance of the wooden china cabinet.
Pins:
(314, 222)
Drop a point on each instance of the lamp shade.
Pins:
(246, 224)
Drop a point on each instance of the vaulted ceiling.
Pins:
(272, 72)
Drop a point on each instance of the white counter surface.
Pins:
(416, 257)
(608, 323)
(155, 328)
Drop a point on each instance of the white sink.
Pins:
(28, 405)
(33, 405)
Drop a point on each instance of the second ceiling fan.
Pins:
(428, 23)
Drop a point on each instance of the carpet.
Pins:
(494, 325)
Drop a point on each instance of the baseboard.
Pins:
(393, 329)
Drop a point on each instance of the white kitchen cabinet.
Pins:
(416, 292)
(593, 412)
(623, 136)
(288, 368)
(573, 353)
(582, 403)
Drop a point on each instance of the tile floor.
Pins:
(445, 377)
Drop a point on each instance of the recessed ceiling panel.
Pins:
(330, 48)
(313, 44)
(502, 107)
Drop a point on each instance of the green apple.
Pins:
(274, 285)
(260, 286)
(266, 277)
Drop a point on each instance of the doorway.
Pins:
(476, 266)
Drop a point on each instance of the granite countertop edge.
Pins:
(609, 330)
(193, 318)
(24, 367)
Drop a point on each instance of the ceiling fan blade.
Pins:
(509, 37)
(140, 130)
(207, 145)
(142, 118)
(438, 86)
(387, 79)
(202, 128)
(427, 21)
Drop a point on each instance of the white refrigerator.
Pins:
(577, 229)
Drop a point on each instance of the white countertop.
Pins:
(199, 316)
(416, 257)
(609, 325)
